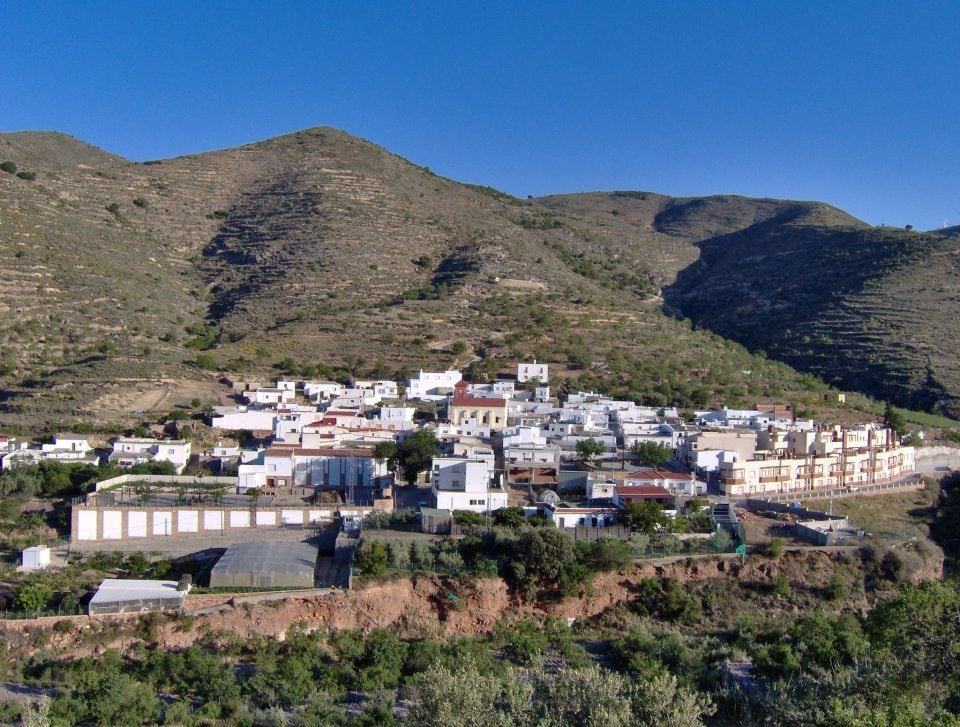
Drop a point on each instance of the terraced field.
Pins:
(319, 252)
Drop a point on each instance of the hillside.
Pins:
(867, 309)
(318, 252)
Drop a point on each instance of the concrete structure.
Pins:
(529, 371)
(242, 417)
(270, 396)
(266, 564)
(120, 595)
(432, 386)
(105, 523)
(741, 441)
(840, 468)
(565, 515)
(463, 484)
(679, 483)
(327, 467)
(35, 558)
(128, 452)
(484, 411)
(622, 494)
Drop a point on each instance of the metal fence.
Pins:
(857, 490)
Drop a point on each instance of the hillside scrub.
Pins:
(809, 664)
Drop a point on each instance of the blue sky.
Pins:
(854, 103)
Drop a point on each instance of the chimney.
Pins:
(186, 580)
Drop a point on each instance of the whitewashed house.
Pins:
(270, 396)
(462, 484)
(242, 417)
(319, 390)
(128, 452)
(432, 385)
(529, 371)
(69, 448)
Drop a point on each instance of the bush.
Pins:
(775, 548)
(666, 599)
(8, 167)
(113, 208)
(780, 586)
(205, 361)
(468, 518)
(605, 554)
(511, 517)
(140, 202)
(29, 176)
(372, 558)
(720, 541)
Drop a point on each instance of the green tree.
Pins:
(644, 517)
(589, 449)
(386, 452)
(32, 596)
(893, 419)
(465, 696)
(372, 558)
(415, 454)
(205, 361)
(544, 552)
(652, 453)
(468, 518)
(511, 517)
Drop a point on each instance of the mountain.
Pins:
(126, 285)
(868, 309)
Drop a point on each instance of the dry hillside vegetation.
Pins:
(316, 253)
(867, 309)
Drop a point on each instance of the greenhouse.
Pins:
(121, 595)
(266, 564)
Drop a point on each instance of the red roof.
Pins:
(642, 491)
(462, 398)
(652, 474)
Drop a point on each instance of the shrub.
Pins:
(780, 586)
(113, 208)
(604, 554)
(29, 176)
(8, 167)
(140, 202)
(775, 548)
(206, 362)
(372, 558)
(467, 518)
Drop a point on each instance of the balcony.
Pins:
(733, 480)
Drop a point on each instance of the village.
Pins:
(437, 453)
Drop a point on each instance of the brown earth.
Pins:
(420, 606)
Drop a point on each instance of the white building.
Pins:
(529, 371)
(35, 558)
(242, 417)
(464, 484)
(270, 396)
(128, 452)
(432, 386)
(317, 390)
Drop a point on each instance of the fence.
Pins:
(589, 532)
(877, 489)
(815, 527)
